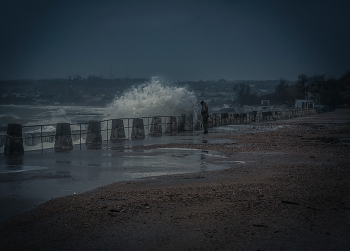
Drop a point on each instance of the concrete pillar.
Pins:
(14, 141)
(217, 119)
(198, 123)
(181, 124)
(254, 116)
(189, 122)
(230, 118)
(186, 123)
(213, 119)
(264, 116)
(224, 118)
(210, 121)
(94, 136)
(241, 118)
(171, 125)
(138, 129)
(63, 139)
(270, 115)
(117, 131)
(156, 126)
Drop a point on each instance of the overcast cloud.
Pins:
(179, 40)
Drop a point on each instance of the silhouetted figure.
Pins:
(205, 116)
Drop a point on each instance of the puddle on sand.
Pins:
(200, 140)
(249, 128)
(343, 141)
(18, 169)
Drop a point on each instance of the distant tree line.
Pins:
(332, 92)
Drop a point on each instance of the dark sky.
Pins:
(178, 40)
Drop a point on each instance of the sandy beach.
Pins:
(288, 189)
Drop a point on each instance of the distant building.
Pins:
(304, 104)
(265, 102)
(308, 102)
(312, 96)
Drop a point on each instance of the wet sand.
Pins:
(288, 189)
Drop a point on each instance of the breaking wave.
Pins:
(153, 98)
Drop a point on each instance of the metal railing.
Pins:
(37, 135)
(47, 133)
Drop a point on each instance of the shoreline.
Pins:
(292, 192)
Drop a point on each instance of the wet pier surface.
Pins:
(41, 175)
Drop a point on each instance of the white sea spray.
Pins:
(153, 98)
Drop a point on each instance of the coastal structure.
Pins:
(63, 137)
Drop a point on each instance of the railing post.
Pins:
(128, 128)
(80, 135)
(107, 131)
(177, 124)
(41, 138)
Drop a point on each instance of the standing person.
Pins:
(205, 116)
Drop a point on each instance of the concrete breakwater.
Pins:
(63, 137)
